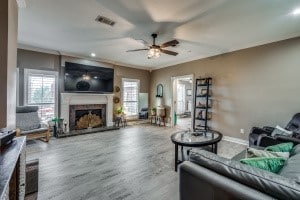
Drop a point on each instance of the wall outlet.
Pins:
(242, 131)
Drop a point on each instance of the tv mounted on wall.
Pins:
(86, 78)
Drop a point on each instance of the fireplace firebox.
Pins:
(87, 116)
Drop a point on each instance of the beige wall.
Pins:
(37, 60)
(251, 87)
(8, 61)
(131, 73)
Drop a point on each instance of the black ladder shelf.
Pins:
(203, 104)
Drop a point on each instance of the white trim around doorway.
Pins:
(173, 78)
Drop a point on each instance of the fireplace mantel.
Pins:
(68, 99)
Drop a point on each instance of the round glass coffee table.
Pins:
(208, 139)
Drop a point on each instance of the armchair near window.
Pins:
(143, 114)
(262, 136)
(28, 123)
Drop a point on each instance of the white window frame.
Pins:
(44, 72)
(137, 97)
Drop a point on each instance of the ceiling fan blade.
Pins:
(136, 50)
(173, 53)
(170, 43)
(143, 42)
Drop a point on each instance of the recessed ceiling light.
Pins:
(296, 11)
(93, 54)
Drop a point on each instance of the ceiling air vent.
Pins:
(105, 20)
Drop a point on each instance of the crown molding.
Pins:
(37, 49)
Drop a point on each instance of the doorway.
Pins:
(182, 101)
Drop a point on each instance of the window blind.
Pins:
(130, 97)
(41, 91)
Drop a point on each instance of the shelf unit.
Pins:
(203, 104)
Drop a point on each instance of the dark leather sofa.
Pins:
(210, 177)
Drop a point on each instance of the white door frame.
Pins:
(173, 78)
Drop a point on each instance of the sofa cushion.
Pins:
(27, 121)
(291, 168)
(281, 131)
(264, 181)
(271, 164)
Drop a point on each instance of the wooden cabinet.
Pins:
(12, 173)
(203, 104)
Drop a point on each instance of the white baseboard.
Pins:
(236, 140)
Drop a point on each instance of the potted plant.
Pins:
(153, 111)
(119, 111)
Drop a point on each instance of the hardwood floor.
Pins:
(136, 162)
(184, 123)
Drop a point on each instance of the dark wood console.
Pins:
(12, 170)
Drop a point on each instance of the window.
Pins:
(41, 90)
(130, 96)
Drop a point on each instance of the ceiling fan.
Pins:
(155, 50)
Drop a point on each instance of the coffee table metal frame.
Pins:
(213, 142)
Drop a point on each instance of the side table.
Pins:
(202, 139)
(152, 119)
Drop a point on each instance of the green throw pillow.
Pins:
(282, 147)
(270, 164)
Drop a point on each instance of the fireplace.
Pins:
(73, 99)
(87, 116)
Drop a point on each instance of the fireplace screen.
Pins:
(88, 119)
(87, 116)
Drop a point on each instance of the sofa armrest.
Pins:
(258, 131)
(265, 140)
(196, 181)
(18, 132)
(269, 129)
(267, 182)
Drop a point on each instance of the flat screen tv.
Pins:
(90, 79)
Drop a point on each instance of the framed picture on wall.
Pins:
(188, 92)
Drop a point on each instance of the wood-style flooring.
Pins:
(136, 163)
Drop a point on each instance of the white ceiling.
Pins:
(203, 27)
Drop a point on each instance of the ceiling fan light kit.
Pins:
(154, 51)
